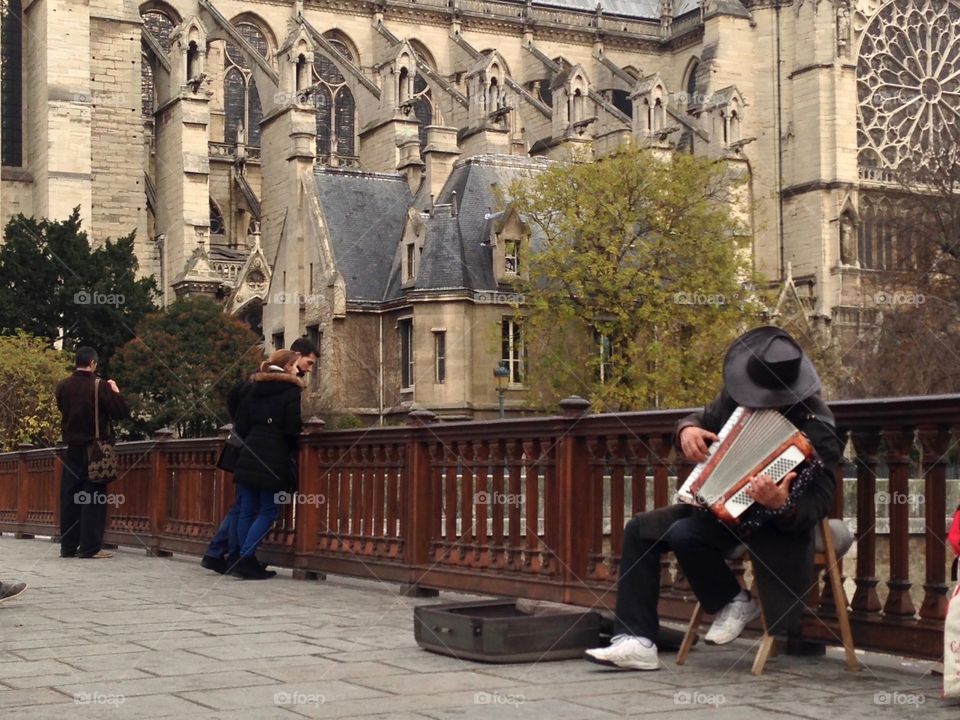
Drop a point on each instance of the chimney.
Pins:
(439, 156)
(410, 165)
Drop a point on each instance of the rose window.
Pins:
(908, 82)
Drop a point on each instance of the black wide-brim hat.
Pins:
(766, 368)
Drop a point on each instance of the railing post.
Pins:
(157, 499)
(308, 514)
(934, 442)
(23, 491)
(415, 519)
(578, 509)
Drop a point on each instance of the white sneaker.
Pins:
(731, 621)
(626, 651)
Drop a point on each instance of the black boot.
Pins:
(249, 569)
(212, 562)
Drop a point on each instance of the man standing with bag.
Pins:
(83, 399)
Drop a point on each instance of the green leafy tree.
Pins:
(176, 373)
(29, 373)
(53, 285)
(637, 279)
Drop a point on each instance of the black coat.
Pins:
(75, 401)
(268, 419)
(783, 548)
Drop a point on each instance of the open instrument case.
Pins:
(506, 630)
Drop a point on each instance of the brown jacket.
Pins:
(75, 400)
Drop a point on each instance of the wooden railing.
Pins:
(531, 507)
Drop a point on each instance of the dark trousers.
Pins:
(225, 541)
(83, 507)
(700, 543)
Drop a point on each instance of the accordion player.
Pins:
(752, 442)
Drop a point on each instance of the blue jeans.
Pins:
(258, 510)
(225, 541)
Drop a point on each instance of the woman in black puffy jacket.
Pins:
(269, 422)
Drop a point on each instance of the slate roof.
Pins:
(456, 251)
(365, 215)
(648, 9)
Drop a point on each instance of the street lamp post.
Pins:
(501, 373)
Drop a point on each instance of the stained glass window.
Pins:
(241, 101)
(161, 26)
(335, 106)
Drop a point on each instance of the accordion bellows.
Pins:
(752, 442)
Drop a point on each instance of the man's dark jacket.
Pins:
(783, 548)
(75, 400)
(269, 421)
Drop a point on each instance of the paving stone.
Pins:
(292, 695)
(140, 637)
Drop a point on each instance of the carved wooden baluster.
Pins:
(342, 494)
(450, 497)
(865, 599)
(365, 519)
(481, 546)
(935, 442)
(531, 498)
(899, 444)
(396, 459)
(436, 479)
(597, 454)
(514, 453)
(379, 492)
(468, 536)
(617, 472)
(660, 448)
(551, 506)
(497, 460)
(639, 451)
(356, 498)
(331, 473)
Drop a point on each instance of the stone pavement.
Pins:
(141, 637)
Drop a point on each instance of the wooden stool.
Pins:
(829, 534)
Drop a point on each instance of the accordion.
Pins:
(752, 442)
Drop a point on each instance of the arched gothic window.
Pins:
(692, 83)
(335, 106)
(217, 226)
(887, 237)
(422, 108)
(241, 101)
(161, 27)
(11, 74)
